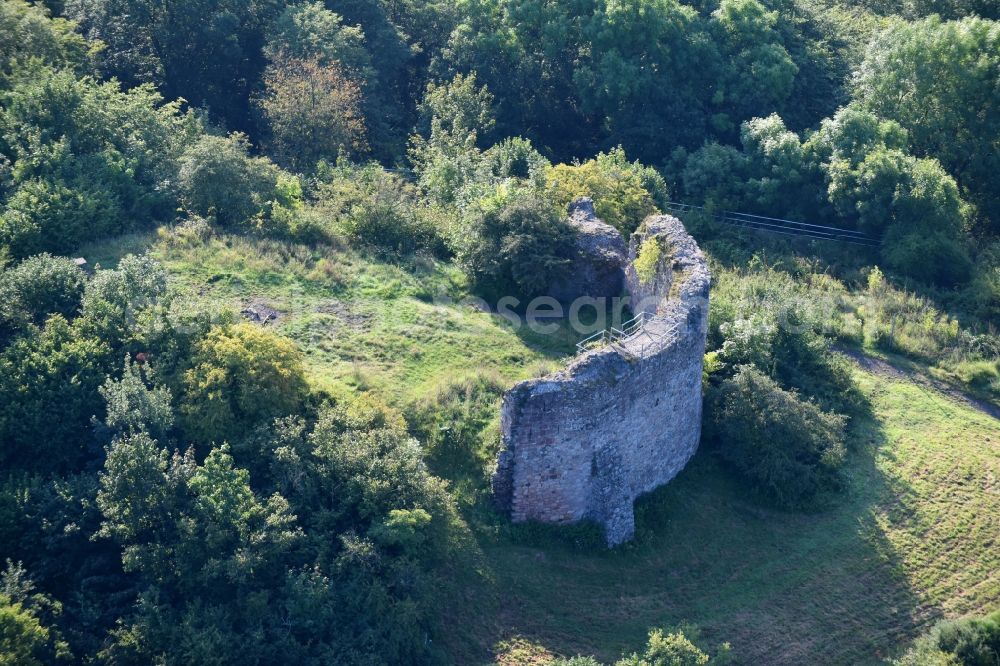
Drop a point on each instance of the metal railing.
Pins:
(778, 225)
(643, 340)
(630, 327)
(633, 339)
(595, 341)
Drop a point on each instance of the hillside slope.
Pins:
(913, 541)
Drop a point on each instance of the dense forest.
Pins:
(179, 485)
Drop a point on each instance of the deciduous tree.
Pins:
(314, 112)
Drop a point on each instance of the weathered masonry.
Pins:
(624, 417)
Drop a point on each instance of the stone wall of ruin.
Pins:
(620, 420)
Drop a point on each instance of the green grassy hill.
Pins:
(911, 541)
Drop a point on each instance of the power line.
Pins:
(778, 225)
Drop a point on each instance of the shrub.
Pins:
(310, 30)
(218, 178)
(648, 260)
(514, 243)
(48, 392)
(24, 640)
(36, 288)
(766, 318)
(27, 32)
(665, 648)
(115, 299)
(787, 448)
(716, 175)
(240, 376)
(57, 215)
(973, 641)
(930, 256)
(515, 157)
(672, 649)
(86, 159)
(378, 209)
(132, 407)
(624, 192)
(454, 116)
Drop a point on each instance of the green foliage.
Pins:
(196, 531)
(48, 392)
(457, 109)
(28, 33)
(446, 156)
(320, 536)
(239, 376)
(515, 157)
(934, 257)
(370, 463)
(764, 317)
(457, 425)
(650, 76)
(939, 80)
(208, 53)
(512, 243)
(52, 374)
(218, 178)
(672, 648)
(648, 260)
(624, 192)
(853, 170)
(42, 215)
(759, 71)
(310, 30)
(577, 661)
(373, 207)
(640, 65)
(115, 302)
(912, 202)
(972, 641)
(402, 529)
(369, 507)
(714, 175)
(348, 538)
(784, 446)
(24, 640)
(37, 287)
(132, 407)
(952, 9)
(783, 175)
(87, 159)
(899, 321)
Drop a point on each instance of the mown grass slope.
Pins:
(913, 540)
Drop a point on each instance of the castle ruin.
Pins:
(623, 417)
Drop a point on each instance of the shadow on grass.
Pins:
(782, 587)
(556, 337)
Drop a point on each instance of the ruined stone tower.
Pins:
(623, 418)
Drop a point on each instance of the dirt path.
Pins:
(883, 368)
